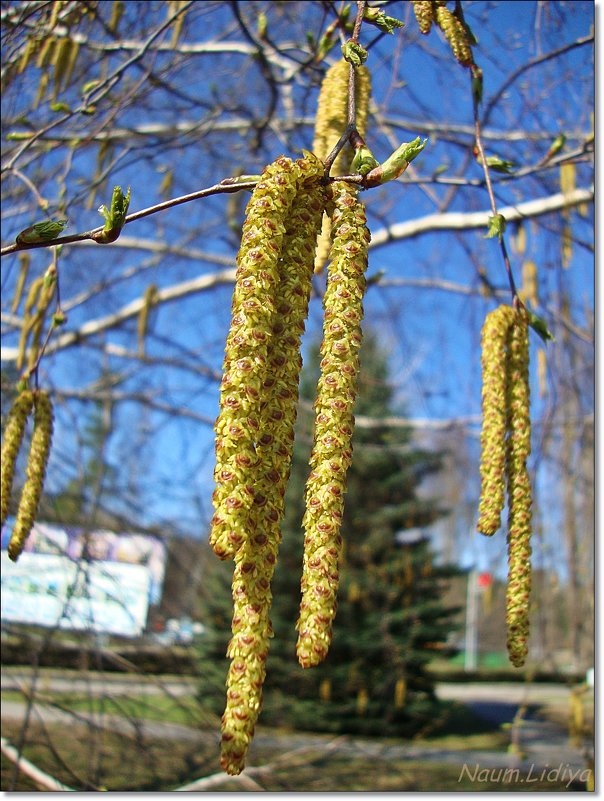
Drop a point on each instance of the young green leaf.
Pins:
(364, 161)
(477, 84)
(396, 164)
(539, 325)
(496, 226)
(555, 147)
(377, 17)
(262, 25)
(41, 232)
(18, 136)
(114, 217)
(60, 107)
(500, 165)
(354, 53)
(88, 87)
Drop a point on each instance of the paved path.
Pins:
(93, 683)
(543, 745)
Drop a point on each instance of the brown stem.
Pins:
(358, 20)
(350, 134)
(224, 187)
(349, 130)
(352, 105)
(487, 176)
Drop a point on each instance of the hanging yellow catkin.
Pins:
(529, 283)
(362, 701)
(332, 118)
(332, 450)
(36, 471)
(244, 368)
(255, 560)
(24, 259)
(424, 14)
(492, 437)
(519, 492)
(456, 34)
(11, 444)
(40, 295)
(542, 372)
(33, 293)
(142, 323)
(400, 693)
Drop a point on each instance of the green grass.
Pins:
(456, 728)
(181, 710)
(89, 759)
(108, 761)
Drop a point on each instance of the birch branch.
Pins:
(170, 130)
(300, 756)
(397, 232)
(132, 309)
(464, 221)
(29, 769)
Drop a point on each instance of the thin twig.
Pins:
(529, 65)
(98, 91)
(29, 769)
(228, 185)
(487, 177)
(350, 134)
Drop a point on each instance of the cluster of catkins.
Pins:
(37, 303)
(505, 448)
(258, 404)
(332, 113)
(26, 402)
(429, 11)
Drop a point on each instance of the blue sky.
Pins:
(432, 335)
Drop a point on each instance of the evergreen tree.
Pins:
(390, 617)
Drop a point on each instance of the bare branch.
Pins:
(132, 309)
(228, 185)
(39, 776)
(460, 221)
(305, 755)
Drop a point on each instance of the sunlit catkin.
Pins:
(244, 369)
(36, 471)
(424, 14)
(495, 333)
(519, 492)
(332, 450)
(255, 561)
(11, 444)
(331, 121)
(456, 34)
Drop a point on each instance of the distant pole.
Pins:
(471, 644)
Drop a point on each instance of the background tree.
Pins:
(391, 619)
(170, 98)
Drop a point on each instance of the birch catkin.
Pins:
(332, 450)
(36, 471)
(424, 14)
(506, 446)
(494, 421)
(255, 560)
(11, 444)
(331, 122)
(519, 493)
(244, 368)
(456, 34)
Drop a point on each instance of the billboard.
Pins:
(83, 580)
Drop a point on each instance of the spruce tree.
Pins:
(390, 619)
